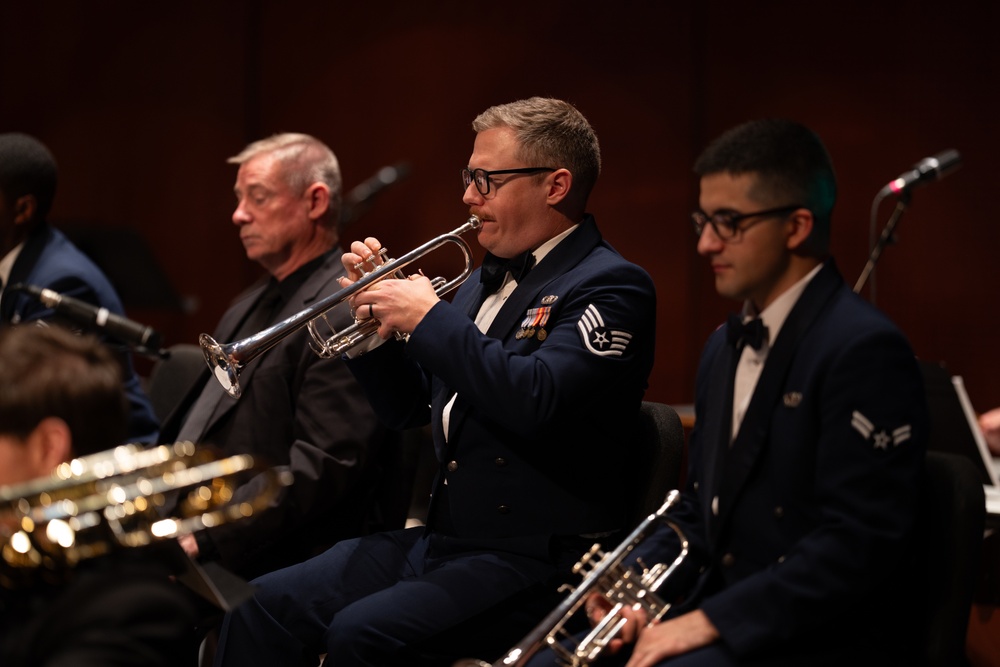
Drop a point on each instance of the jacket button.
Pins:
(500, 462)
(779, 511)
(715, 506)
(452, 466)
(728, 560)
(503, 509)
(695, 486)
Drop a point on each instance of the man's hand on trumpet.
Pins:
(598, 606)
(398, 305)
(653, 641)
(663, 639)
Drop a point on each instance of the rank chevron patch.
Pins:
(600, 339)
(881, 438)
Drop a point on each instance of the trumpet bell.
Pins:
(225, 369)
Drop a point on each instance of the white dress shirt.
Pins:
(494, 302)
(751, 362)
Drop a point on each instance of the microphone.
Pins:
(362, 195)
(134, 334)
(932, 168)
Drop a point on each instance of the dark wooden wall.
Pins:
(142, 103)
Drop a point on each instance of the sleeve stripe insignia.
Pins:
(600, 339)
(880, 439)
(862, 425)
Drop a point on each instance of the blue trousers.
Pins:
(394, 598)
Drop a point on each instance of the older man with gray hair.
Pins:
(296, 409)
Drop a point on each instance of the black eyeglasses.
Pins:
(726, 224)
(481, 177)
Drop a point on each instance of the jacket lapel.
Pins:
(557, 262)
(321, 282)
(755, 428)
(716, 429)
(20, 272)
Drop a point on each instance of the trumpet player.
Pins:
(61, 398)
(530, 377)
(809, 437)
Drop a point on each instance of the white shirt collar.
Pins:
(541, 251)
(7, 263)
(777, 311)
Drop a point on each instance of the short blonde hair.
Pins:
(550, 133)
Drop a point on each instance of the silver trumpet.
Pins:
(623, 587)
(227, 360)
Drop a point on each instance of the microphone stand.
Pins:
(883, 241)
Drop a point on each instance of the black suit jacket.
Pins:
(300, 411)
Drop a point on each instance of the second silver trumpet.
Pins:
(622, 586)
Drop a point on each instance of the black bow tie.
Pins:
(495, 268)
(740, 333)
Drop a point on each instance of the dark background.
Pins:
(143, 102)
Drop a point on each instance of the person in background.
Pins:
(809, 438)
(989, 422)
(61, 398)
(296, 409)
(532, 379)
(35, 253)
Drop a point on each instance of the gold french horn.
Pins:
(96, 504)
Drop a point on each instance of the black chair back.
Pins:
(952, 519)
(661, 436)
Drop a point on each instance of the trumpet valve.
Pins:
(368, 264)
(588, 559)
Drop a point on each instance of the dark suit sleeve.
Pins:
(307, 413)
(531, 391)
(397, 388)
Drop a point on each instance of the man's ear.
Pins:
(318, 199)
(560, 182)
(801, 223)
(24, 209)
(49, 444)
